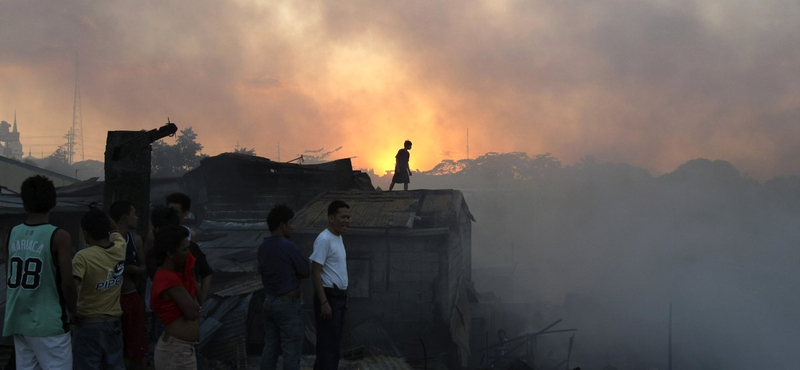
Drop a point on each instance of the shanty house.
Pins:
(409, 261)
(409, 253)
(408, 256)
(242, 187)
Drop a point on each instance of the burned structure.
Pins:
(409, 262)
(409, 255)
(243, 187)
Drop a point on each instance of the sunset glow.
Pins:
(653, 84)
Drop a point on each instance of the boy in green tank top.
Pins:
(40, 290)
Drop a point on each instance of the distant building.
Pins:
(14, 172)
(10, 146)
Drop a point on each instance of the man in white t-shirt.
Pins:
(329, 275)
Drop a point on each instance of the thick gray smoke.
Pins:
(608, 247)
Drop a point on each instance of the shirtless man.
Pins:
(133, 322)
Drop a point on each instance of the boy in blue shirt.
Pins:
(281, 267)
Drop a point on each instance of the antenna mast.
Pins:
(75, 136)
(467, 143)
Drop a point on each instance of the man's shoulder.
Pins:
(86, 250)
(273, 243)
(325, 234)
(118, 239)
(289, 244)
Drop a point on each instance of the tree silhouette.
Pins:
(244, 150)
(318, 156)
(175, 160)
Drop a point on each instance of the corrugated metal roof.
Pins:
(437, 202)
(227, 345)
(12, 204)
(367, 363)
(234, 251)
(377, 209)
(250, 284)
(38, 170)
(374, 337)
(383, 363)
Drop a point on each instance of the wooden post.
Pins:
(128, 178)
(486, 354)
(669, 345)
(569, 350)
(127, 170)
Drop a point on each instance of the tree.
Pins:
(175, 160)
(244, 150)
(59, 162)
(318, 156)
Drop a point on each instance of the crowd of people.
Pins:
(88, 311)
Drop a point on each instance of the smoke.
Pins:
(608, 247)
(654, 83)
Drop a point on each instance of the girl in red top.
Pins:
(172, 298)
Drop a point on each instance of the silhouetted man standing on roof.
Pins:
(402, 172)
(329, 275)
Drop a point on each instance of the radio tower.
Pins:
(75, 135)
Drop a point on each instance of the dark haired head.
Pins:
(168, 240)
(182, 199)
(278, 215)
(164, 216)
(333, 208)
(407, 144)
(120, 208)
(38, 194)
(95, 224)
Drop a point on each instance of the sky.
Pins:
(653, 83)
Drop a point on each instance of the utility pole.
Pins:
(467, 143)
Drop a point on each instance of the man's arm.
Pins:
(77, 286)
(205, 288)
(189, 308)
(300, 264)
(140, 253)
(5, 252)
(316, 278)
(112, 226)
(140, 267)
(203, 269)
(62, 248)
(149, 239)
